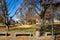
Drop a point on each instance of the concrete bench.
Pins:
(23, 34)
(4, 34)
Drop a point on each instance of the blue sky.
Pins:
(12, 6)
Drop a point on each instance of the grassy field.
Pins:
(23, 28)
(26, 28)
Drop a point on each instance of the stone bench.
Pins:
(4, 34)
(23, 34)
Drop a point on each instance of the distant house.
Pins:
(49, 12)
(33, 18)
(11, 22)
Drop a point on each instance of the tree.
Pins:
(5, 13)
(44, 4)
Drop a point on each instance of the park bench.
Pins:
(4, 34)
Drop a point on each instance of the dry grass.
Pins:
(24, 38)
(27, 38)
(5, 38)
(48, 38)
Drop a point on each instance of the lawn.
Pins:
(23, 28)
